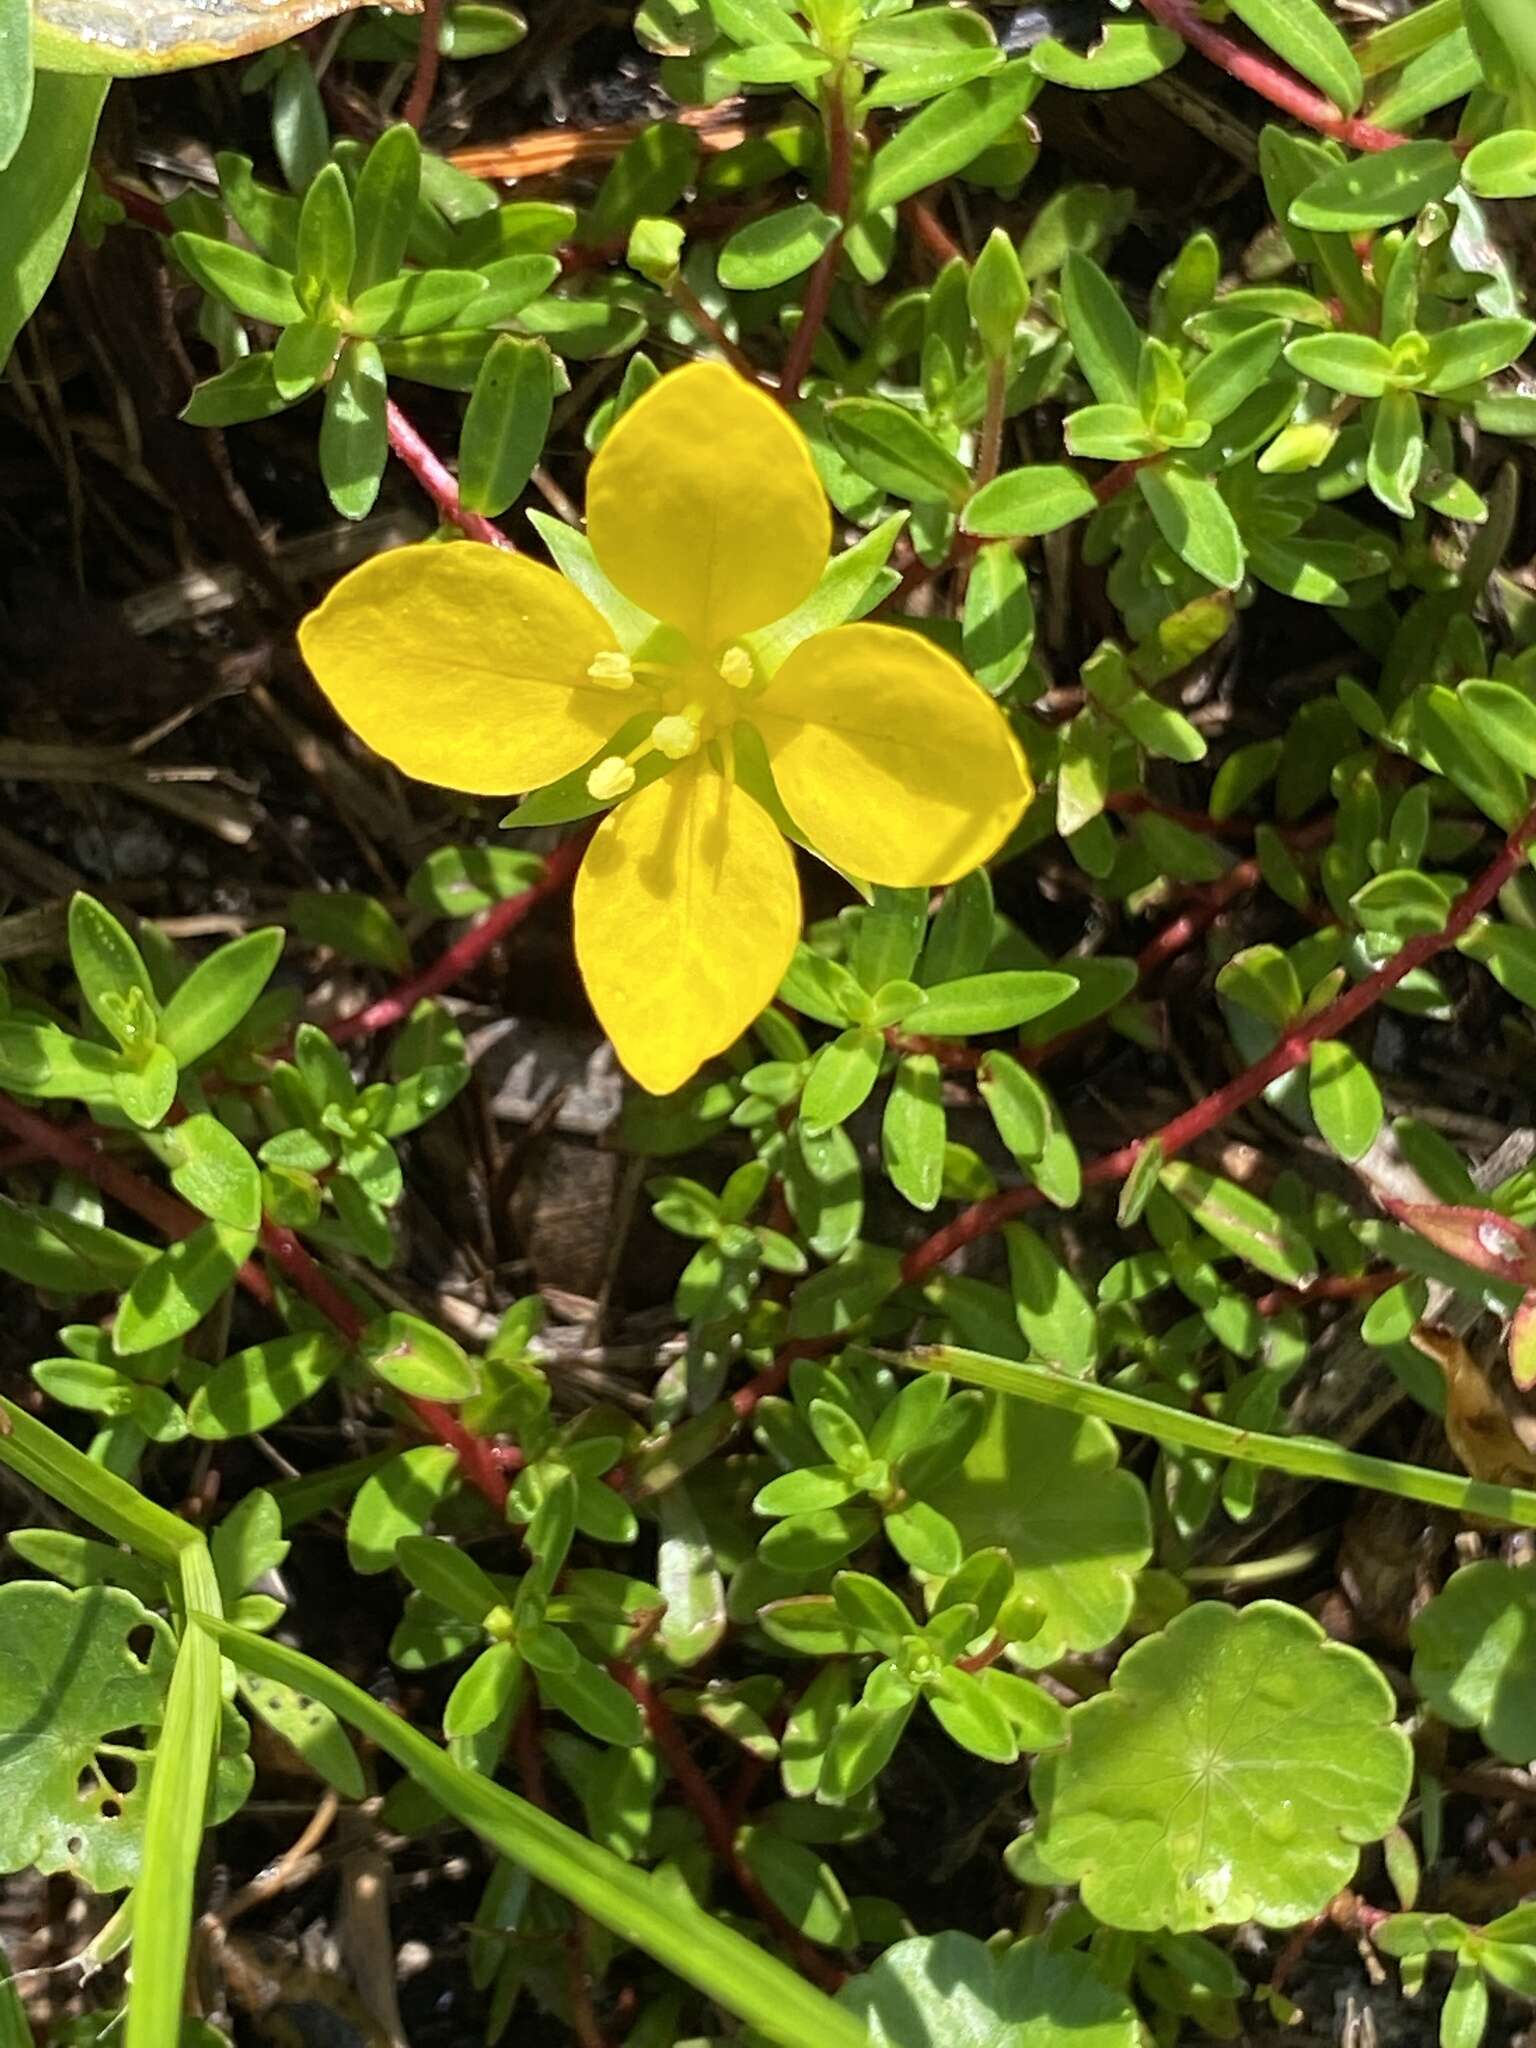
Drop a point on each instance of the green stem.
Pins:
(703, 1951)
(174, 1819)
(1304, 1456)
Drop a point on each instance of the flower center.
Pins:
(697, 699)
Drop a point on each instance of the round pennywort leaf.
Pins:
(1230, 1773)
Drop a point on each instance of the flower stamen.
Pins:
(676, 736)
(736, 668)
(613, 669)
(612, 777)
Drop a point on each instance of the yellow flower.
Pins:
(484, 671)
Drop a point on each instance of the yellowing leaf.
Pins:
(687, 912)
(121, 37)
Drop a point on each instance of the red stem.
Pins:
(429, 56)
(818, 290)
(477, 1456)
(711, 1815)
(1331, 1287)
(175, 1219)
(1273, 81)
(981, 1218)
(466, 952)
(439, 481)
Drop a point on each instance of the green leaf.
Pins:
(1461, 753)
(801, 1885)
(506, 424)
(302, 360)
(1037, 499)
(147, 1088)
(649, 177)
(1345, 1099)
(1503, 166)
(257, 1387)
(218, 994)
(1354, 363)
(354, 432)
(1475, 349)
(997, 292)
(213, 1171)
(775, 247)
(862, 1744)
(1220, 382)
(109, 966)
(1053, 1311)
(970, 1716)
(416, 302)
(841, 1077)
(1125, 53)
(947, 135)
(40, 191)
(384, 203)
(987, 1002)
(1464, 2016)
(1473, 1662)
(357, 926)
(843, 593)
(1504, 717)
(1302, 33)
(1105, 339)
(999, 626)
(1375, 191)
(1230, 1773)
(894, 449)
(1241, 1222)
(1193, 517)
(1509, 953)
(1048, 1488)
(15, 75)
(595, 1702)
(488, 1692)
(174, 1292)
(912, 1131)
(247, 390)
(79, 1683)
(327, 246)
(269, 219)
(953, 1991)
(239, 278)
(48, 1249)
(415, 1356)
(445, 1574)
(311, 1729)
(1396, 452)
(398, 1500)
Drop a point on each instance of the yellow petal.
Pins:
(687, 912)
(703, 506)
(891, 760)
(465, 666)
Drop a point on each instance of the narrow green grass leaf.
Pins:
(703, 1951)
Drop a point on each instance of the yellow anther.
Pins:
(613, 669)
(611, 778)
(736, 667)
(677, 737)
